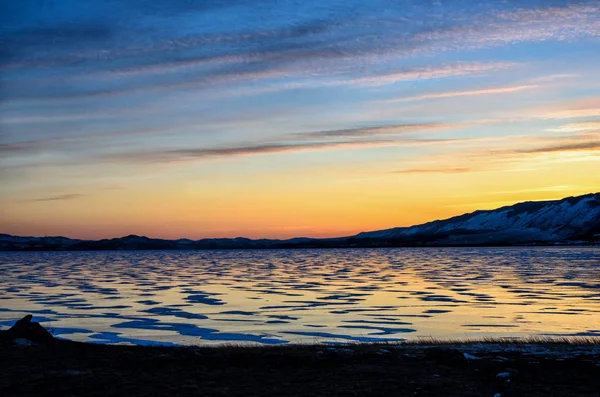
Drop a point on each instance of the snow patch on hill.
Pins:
(535, 221)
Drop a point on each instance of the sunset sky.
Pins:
(292, 117)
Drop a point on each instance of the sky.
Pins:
(284, 118)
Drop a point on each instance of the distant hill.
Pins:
(572, 220)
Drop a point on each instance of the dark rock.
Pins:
(445, 356)
(26, 329)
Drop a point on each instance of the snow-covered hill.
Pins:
(563, 220)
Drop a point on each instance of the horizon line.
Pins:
(306, 237)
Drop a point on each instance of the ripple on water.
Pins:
(284, 296)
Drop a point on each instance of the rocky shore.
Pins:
(33, 363)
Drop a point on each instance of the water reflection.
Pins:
(304, 295)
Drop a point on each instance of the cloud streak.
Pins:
(428, 73)
(569, 147)
(578, 127)
(453, 94)
(507, 153)
(199, 154)
(455, 170)
(19, 147)
(231, 73)
(571, 113)
(373, 131)
(62, 197)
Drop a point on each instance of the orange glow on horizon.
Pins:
(309, 205)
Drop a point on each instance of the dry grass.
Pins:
(528, 340)
(420, 342)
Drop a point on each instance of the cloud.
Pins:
(452, 94)
(427, 73)
(570, 147)
(553, 77)
(179, 155)
(19, 147)
(39, 119)
(339, 139)
(571, 113)
(233, 71)
(141, 50)
(101, 148)
(507, 153)
(226, 74)
(341, 44)
(577, 127)
(581, 107)
(381, 130)
(520, 25)
(69, 196)
(455, 170)
(164, 67)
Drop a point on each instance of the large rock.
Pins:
(26, 329)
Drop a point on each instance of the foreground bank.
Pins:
(33, 362)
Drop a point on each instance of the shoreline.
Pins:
(492, 367)
(300, 248)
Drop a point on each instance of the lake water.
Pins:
(298, 296)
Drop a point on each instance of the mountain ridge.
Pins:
(570, 220)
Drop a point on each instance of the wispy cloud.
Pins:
(455, 170)
(36, 119)
(521, 25)
(571, 113)
(396, 135)
(62, 197)
(234, 72)
(101, 149)
(19, 147)
(185, 155)
(509, 153)
(570, 147)
(428, 73)
(381, 130)
(553, 77)
(577, 127)
(451, 94)
(298, 49)
(345, 33)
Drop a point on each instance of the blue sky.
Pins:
(274, 112)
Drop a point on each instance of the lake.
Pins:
(304, 296)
